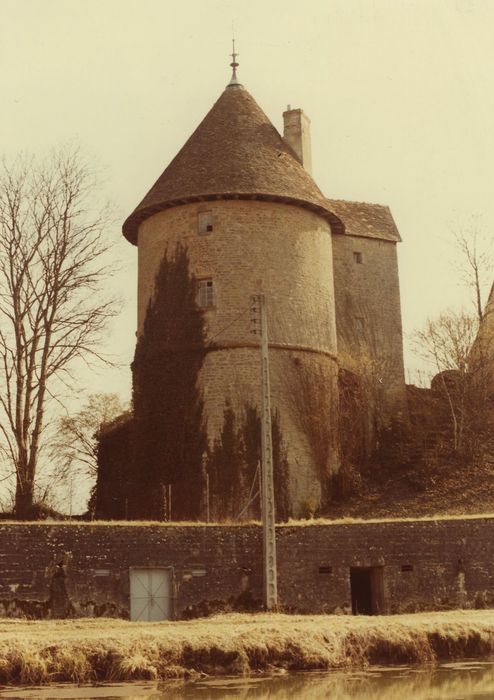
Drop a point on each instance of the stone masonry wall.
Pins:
(284, 251)
(60, 570)
(368, 313)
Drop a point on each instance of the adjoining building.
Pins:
(238, 202)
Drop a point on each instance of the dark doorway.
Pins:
(366, 583)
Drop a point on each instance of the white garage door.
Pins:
(150, 594)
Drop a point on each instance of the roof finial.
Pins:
(234, 64)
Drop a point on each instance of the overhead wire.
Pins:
(229, 324)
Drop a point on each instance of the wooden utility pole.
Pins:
(260, 322)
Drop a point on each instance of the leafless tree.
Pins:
(53, 309)
(75, 446)
(368, 354)
(446, 344)
(475, 261)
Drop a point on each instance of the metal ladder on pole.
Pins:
(260, 322)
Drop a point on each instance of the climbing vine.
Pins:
(169, 433)
(233, 466)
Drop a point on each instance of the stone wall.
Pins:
(57, 570)
(285, 252)
(368, 313)
(279, 249)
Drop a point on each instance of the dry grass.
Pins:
(50, 522)
(445, 489)
(34, 652)
(344, 520)
(347, 520)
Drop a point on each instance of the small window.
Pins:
(407, 567)
(205, 296)
(358, 257)
(325, 569)
(204, 222)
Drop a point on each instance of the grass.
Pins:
(344, 520)
(81, 651)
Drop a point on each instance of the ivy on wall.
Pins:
(314, 397)
(155, 463)
(234, 475)
(115, 479)
(169, 433)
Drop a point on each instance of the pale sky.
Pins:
(400, 94)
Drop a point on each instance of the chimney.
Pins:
(296, 132)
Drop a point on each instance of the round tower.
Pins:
(251, 219)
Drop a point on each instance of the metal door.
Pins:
(150, 595)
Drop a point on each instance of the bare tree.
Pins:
(446, 344)
(475, 261)
(52, 306)
(75, 446)
(368, 354)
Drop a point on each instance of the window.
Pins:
(358, 257)
(204, 222)
(205, 296)
(325, 569)
(407, 567)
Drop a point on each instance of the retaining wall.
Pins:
(74, 569)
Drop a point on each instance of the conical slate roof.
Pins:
(235, 153)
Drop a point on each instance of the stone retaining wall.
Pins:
(57, 570)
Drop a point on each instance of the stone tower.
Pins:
(239, 199)
(251, 218)
(482, 354)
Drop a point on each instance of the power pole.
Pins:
(205, 476)
(260, 323)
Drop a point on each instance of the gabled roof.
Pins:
(235, 153)
(366, 220)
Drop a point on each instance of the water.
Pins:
(471, 680)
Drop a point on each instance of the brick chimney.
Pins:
(296, 132)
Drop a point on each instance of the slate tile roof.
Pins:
(236, 153)
(367, 220)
